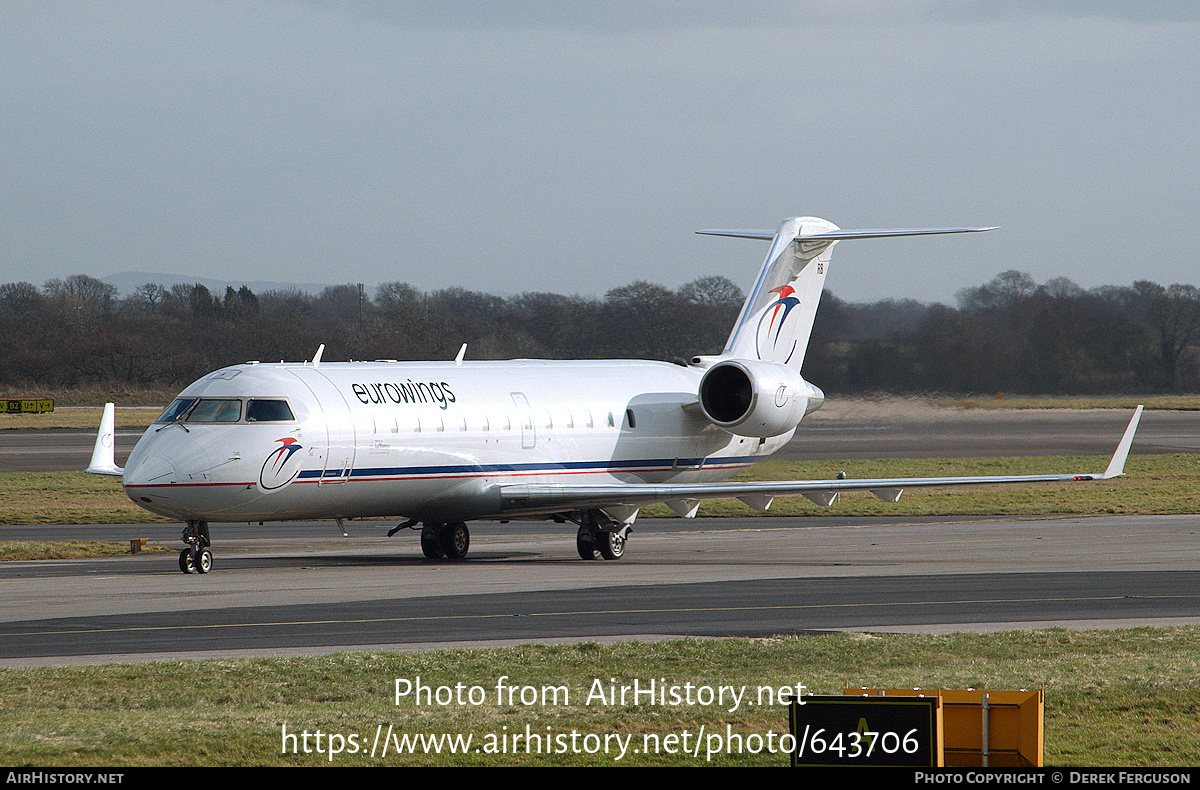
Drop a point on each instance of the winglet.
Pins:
(1116, 466)
(104, 460)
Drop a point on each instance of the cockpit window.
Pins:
(227, 410)
(176, 410)
(261, 410)
(216, 410)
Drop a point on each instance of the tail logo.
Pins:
(276, 469)
(770, 331)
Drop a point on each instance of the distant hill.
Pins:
(128, 282)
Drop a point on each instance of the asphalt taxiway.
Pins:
(319, 592)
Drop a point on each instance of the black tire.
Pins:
(612, 545)
(456, 540)
(204, 561)
(586, 548)
(431, 546)
(187, 561)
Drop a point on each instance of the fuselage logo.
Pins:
(770, 326)
(435, 392)
(276, 469)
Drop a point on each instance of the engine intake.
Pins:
(759, 399)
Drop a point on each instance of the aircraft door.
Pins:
(339, 425)
(339, 461)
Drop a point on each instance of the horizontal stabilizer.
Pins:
(767, 235)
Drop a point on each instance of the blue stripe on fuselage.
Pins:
(556, 466)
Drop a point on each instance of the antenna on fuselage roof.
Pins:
(316, 360)
(462, 352)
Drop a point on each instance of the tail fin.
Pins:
(777, 318)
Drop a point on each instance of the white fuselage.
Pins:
(427, 440)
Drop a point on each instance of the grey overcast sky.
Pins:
(576, 147)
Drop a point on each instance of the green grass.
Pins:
(1113, 698)
(66, 549)
(67, 498)
(1004, 401)
(82, 418)
(79, 409)
(96, 396)
(1152, 484)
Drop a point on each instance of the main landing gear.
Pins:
(197, 557)
(600, 536)
(445, 540)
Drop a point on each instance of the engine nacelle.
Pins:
(759, 399)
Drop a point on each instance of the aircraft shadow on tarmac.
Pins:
(390, 560)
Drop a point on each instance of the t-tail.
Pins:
(754, 388)
(777, 318)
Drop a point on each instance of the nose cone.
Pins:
(148, 480)
(147, 470)
(160, 468)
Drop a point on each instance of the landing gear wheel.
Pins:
(456, 539)
(611, 544)
(196, 558)
(584, 545)
(431, 544)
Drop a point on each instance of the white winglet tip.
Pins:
(104, 460)
(1116, 466)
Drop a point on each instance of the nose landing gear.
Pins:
(197, 557)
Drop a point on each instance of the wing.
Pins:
(684, 498)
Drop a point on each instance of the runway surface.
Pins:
(320, 592)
